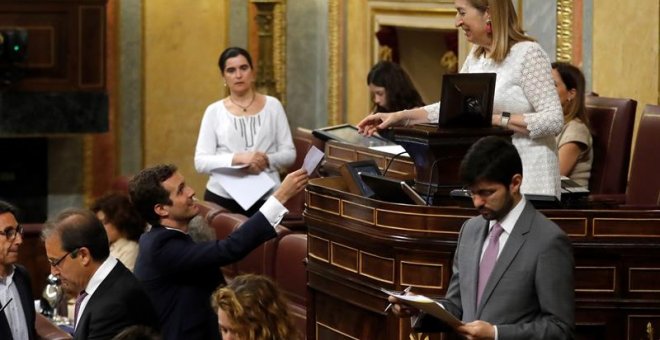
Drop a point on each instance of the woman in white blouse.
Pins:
(525, 97)
(245, 128)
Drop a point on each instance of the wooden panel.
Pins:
(423, 274)
(32, 255)
(324, 331)
(344, 256)
(318, 248)
(377, 267)
(644, 279)
(339, 153)
(430, 223)
(572, 226)
(627, 227)
(595, 279)
(66, 43)
(332, 316)
(92, 47)
(643, 327)
(324, 203)
(358, 212)
(43, 57)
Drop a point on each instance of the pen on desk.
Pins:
(387, 309)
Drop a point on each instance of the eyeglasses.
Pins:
(56, 262)
(11, 232)
(483, 193)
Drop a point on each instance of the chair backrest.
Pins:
(612, 121)
(644, 183)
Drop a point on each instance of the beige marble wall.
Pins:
(182, 41)
(625, 50)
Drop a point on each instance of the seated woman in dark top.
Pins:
(391, 90)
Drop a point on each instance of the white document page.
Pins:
(312, 159)
(245, 188)
(391, 149)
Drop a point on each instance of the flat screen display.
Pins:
(349, 134)
(467, 100)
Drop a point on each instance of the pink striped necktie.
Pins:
(489, 259)
(79, 301)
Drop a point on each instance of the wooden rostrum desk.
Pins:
(357, 245)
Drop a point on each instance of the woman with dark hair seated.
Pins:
(574, 142)
(122, 224)
(391, 90)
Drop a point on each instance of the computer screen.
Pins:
(349, 134)
(467, 100)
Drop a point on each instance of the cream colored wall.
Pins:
(182, 41)
(625, 50)
(358, 43)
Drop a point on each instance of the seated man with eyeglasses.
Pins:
(17, 313)
(108, 297)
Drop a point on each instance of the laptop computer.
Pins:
(467, 100)
(391, 190)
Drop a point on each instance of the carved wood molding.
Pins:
(564, 30)
(335, 69)
(271, 32)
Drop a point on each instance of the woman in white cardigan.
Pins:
(246, 128)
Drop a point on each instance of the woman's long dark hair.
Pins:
(399, 89)
(573, 78)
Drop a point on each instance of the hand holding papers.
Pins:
(312, 159)
(426, 305)
(245, 188)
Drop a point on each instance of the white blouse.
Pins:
(524, 85)
(222, 134)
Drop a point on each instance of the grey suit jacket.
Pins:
(529, 294)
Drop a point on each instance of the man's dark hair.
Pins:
(79, 228)
(146, 190)
(6, 207)
(119, 211)
(492, 159)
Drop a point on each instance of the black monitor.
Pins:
(349, 134)
(467, 100)
(391, 190)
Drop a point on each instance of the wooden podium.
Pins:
(357, 244)
(437, 154)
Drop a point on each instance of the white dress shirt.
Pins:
(94, 283)
(14, 310)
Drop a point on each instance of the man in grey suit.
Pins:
(513, 268)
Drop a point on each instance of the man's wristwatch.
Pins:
(504, 121)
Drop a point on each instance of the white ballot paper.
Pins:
(391, 149)
(312, 159)
(427, 305)
(245, 188)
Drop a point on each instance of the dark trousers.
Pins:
(232, 205)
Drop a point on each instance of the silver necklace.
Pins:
(244, 108)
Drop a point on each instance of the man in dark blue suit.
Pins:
(179, 274)
(17, 313)
(108, 297)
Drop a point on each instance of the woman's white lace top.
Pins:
(524, 85)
